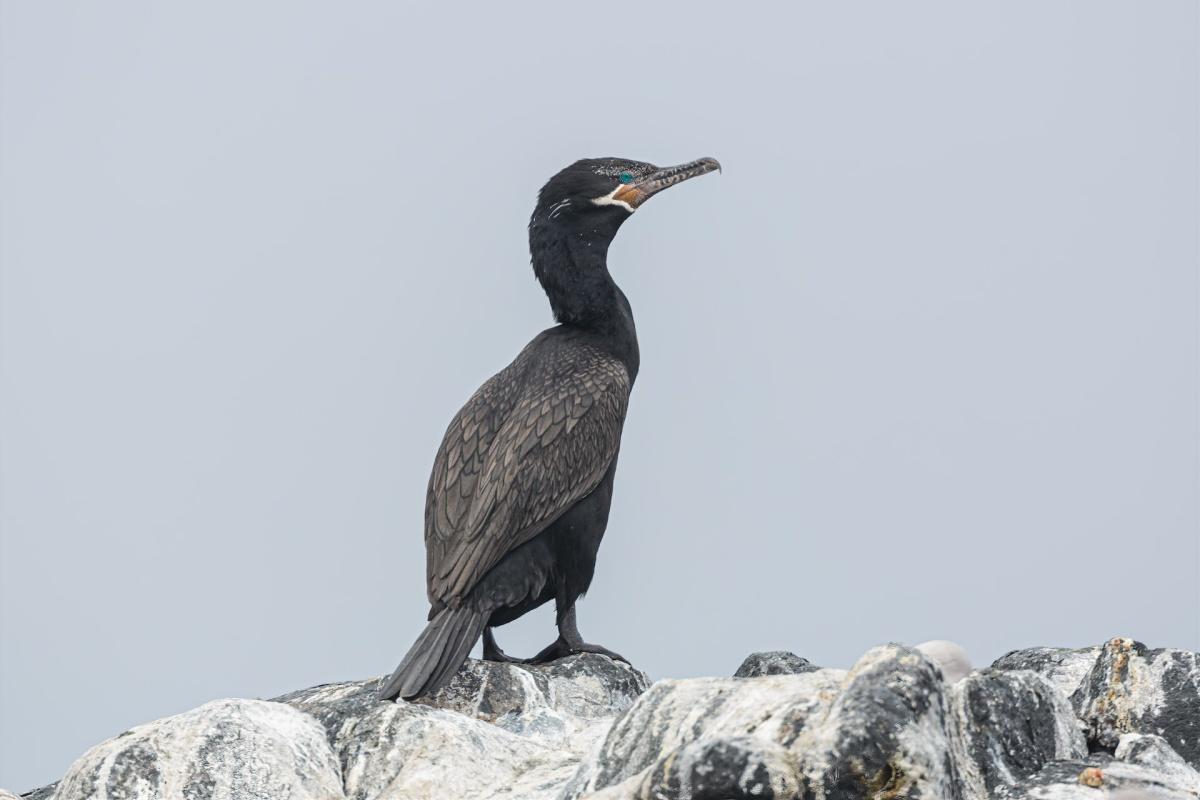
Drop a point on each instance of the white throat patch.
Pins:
(610, 199)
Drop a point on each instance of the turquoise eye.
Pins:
(625, 177)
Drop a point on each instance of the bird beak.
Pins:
(646, 187)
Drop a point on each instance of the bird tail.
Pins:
(436, 655)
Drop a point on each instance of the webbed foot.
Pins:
(560, 648)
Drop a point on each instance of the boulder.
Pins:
(1098, 777)
(496, 727)
(248, 749)
(1153, 752)
(658, 747)
(774, 662)
(1131, 689)
(884, 735)
(1063, 666)
(1006, 726)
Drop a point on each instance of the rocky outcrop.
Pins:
(495, 730)
(901, 723)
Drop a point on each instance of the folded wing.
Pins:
(533, 441)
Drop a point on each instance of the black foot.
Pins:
(561, 649)
(492, 651)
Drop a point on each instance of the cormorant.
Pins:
(519, 496)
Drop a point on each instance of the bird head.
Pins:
(578, 213)
(601, 193)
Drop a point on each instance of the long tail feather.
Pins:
(436, 655)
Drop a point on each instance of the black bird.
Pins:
(519, 496)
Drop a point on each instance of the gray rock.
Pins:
(1154, 753)
(1131, 689)
(749, 728)
(897, 725)
(495, 730)
(225, 749)
(1064, 667)
(715, 768)
(774, 662)
(880, 730)
(1095, 778)
(1006, 726)
(43, 793)
(885, 735)
(576, 690)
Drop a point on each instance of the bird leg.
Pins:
(492, 651)
(569, 642)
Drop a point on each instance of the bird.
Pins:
(519, 495)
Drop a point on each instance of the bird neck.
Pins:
(573, 270)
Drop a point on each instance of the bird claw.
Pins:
(492, 651)
(562, 649)
(598, 650)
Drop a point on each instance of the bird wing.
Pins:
(534, 440)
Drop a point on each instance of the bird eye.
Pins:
(625, 177)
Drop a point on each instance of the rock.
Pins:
(1131, 689)
(552, 703)
(656, 749)
(774, 662)
(1064, 667)
(226, 748)
(1099, 777)
(1153, 752)
(44, 793)
(563, 698)
(951, 658)
(1007, 725)
(413, 751)
(885, 735)
(518, 727)
(903, 723)
(728, 768)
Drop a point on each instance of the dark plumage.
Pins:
(519, 496)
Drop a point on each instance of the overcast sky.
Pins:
(922, 363)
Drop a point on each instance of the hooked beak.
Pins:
(646, 187)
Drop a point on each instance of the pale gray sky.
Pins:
(922, 363)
